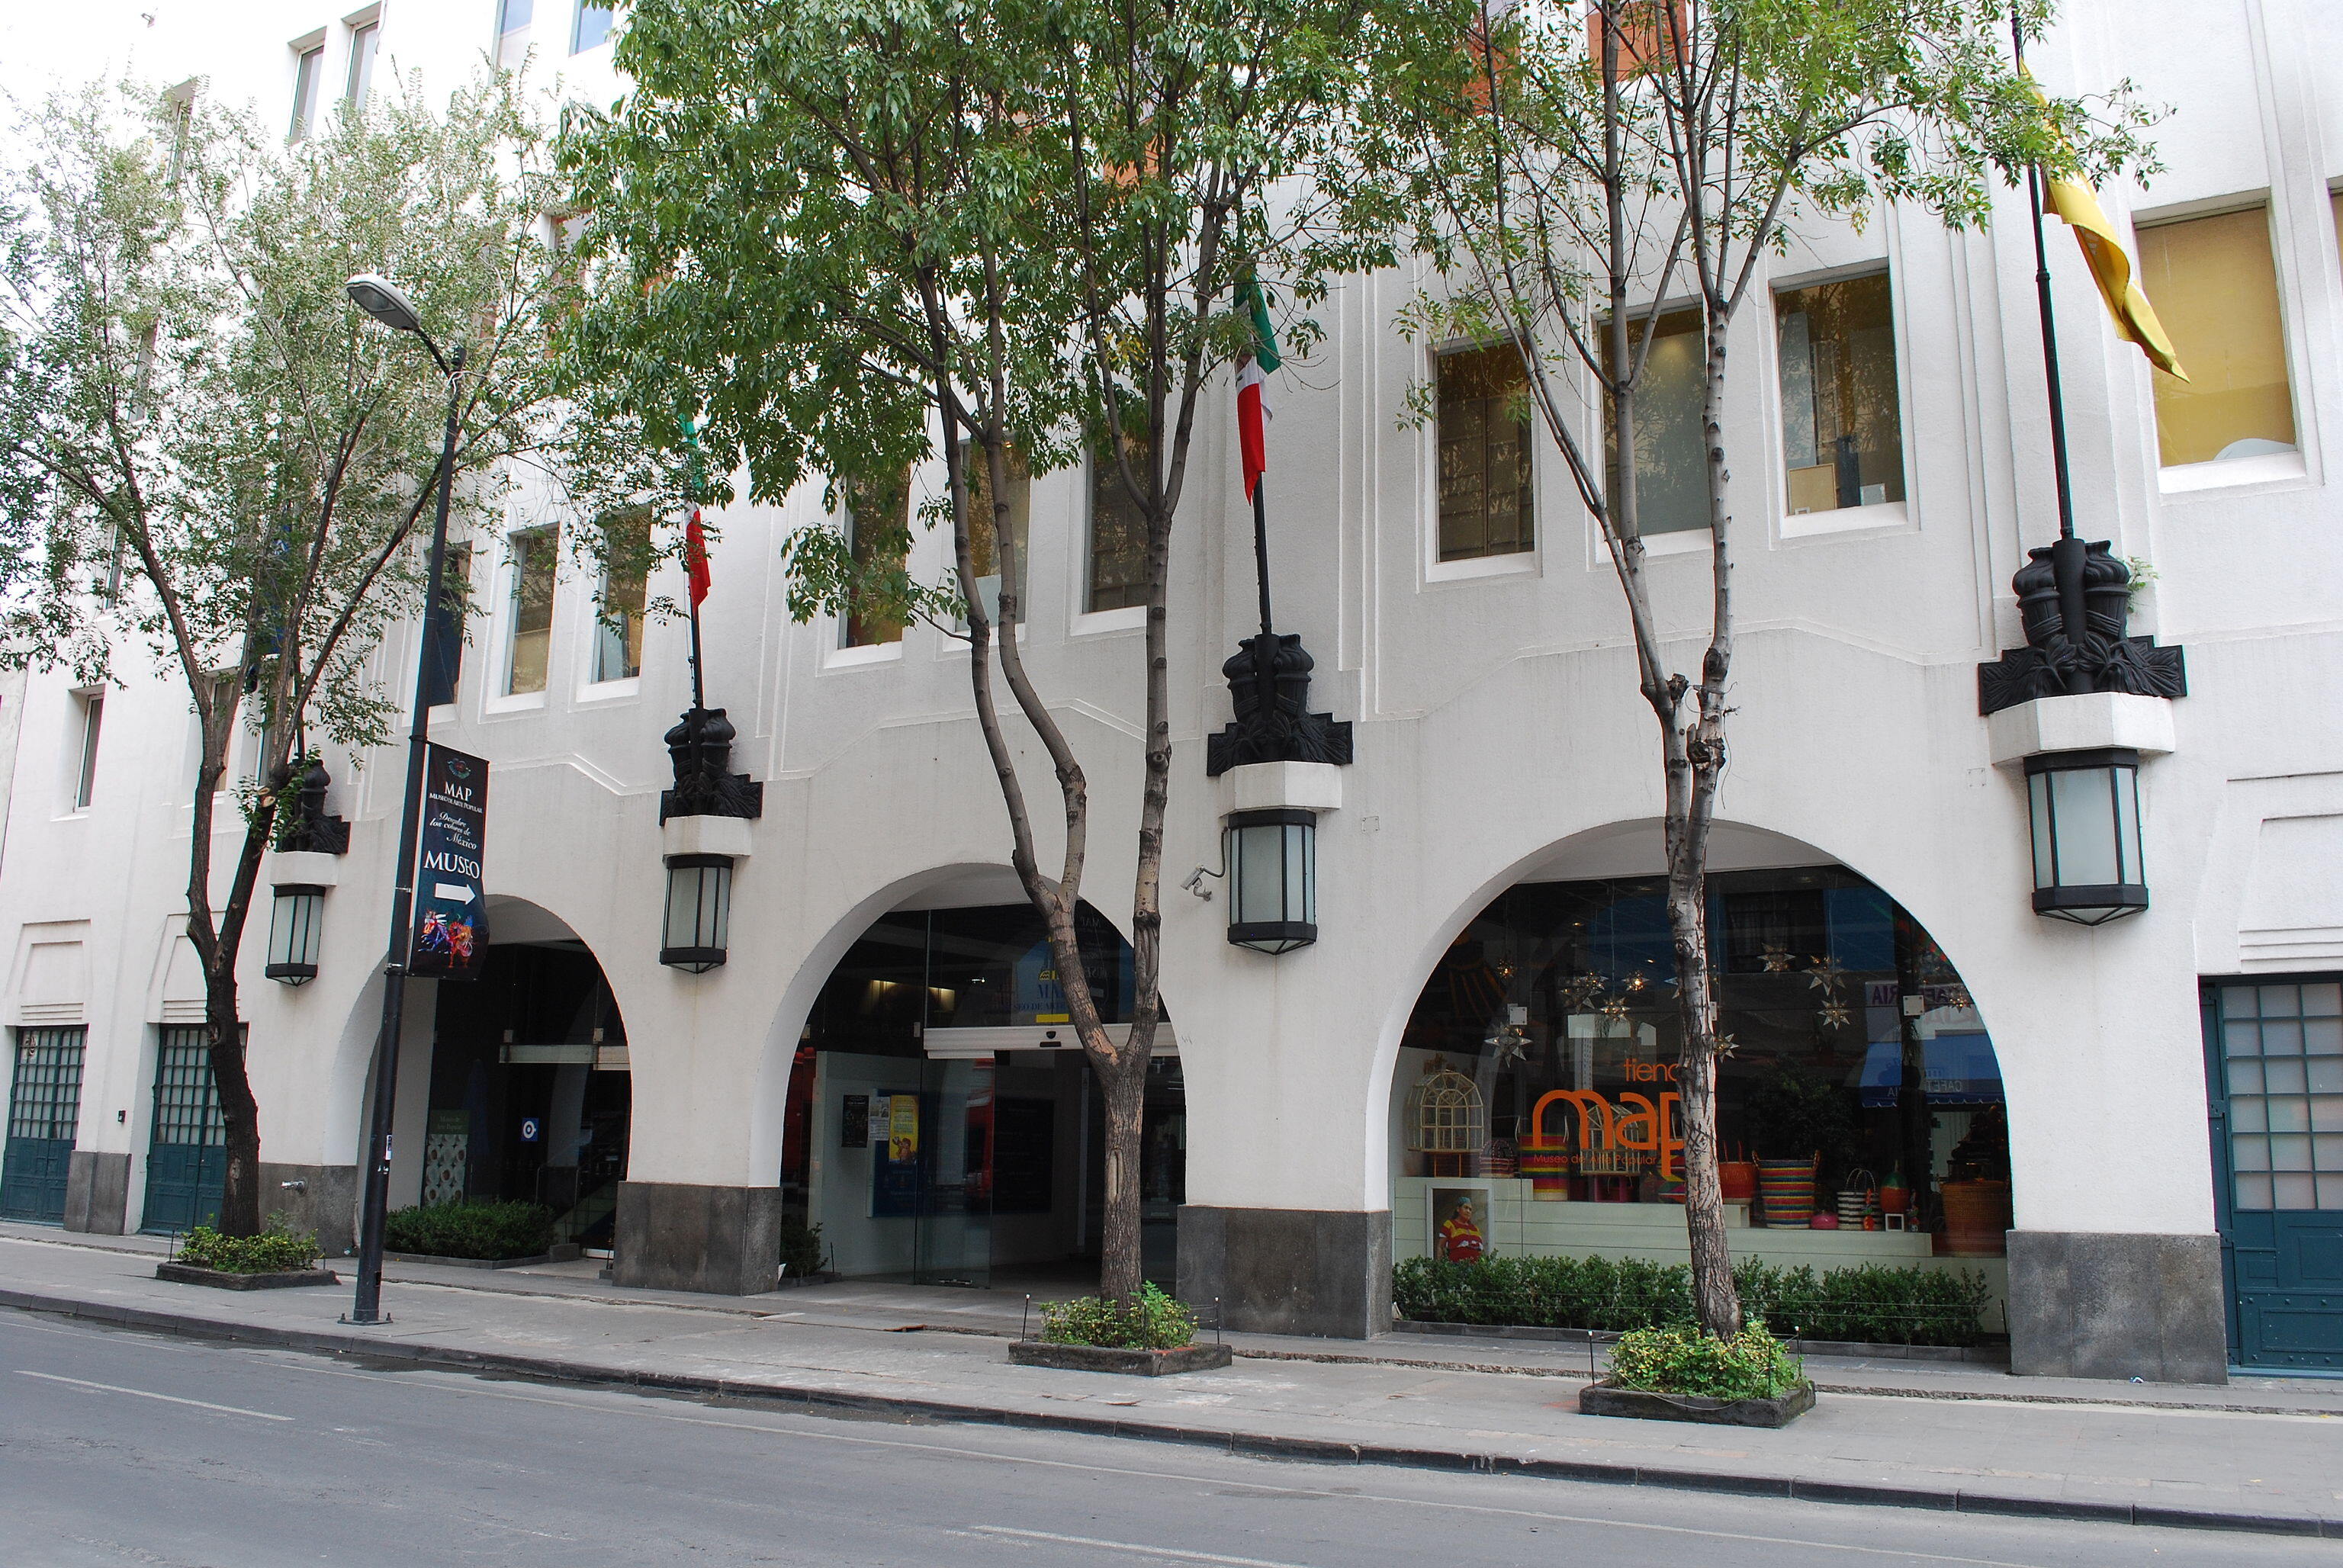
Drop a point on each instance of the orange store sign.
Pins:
(1635, 1124)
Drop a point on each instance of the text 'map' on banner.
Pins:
(450, 938)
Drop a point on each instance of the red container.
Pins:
(1737, 1179)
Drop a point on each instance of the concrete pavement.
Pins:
(2265, 1455)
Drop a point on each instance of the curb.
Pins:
(1260, 1445)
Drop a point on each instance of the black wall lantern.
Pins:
(2085, 809)
(1273, 861)
(699, 912)
(296, 921)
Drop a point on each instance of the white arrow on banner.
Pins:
(461, 894)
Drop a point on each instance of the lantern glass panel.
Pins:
(2046, 867)
(2083, 814)
(699, 912)
(295, 919)
(2127, 786)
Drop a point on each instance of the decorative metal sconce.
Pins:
(296, 921)
(699, 912)
(2084, 811)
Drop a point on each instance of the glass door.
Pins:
(43, 1107)
(952, 1240)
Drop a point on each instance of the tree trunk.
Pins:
(241, 1197)
(1124, 1091)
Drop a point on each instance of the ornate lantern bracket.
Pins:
(700, 746)
(2074, 599)
(1274, 722)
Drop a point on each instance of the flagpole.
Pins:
(2049, 320)
(698, 693)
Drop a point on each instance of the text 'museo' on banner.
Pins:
(450, 938)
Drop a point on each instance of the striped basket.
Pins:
(1547, 1166)
(1786, 1188)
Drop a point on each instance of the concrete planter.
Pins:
(1102, 1357)
(1604, 1399)
(221, 1279)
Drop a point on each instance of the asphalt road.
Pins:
(118, 1447)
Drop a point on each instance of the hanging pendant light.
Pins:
(2084, 813)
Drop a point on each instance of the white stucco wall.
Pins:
(1499, 733)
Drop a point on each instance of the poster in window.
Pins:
(1460, 1224)
(895, 1165)
(854, 1122)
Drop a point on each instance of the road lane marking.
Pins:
(142, 1394)
(1133, 1547)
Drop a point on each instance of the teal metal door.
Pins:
(186, 1157)
(2274, 1070)
(44, 1104)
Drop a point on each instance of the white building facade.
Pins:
(2133, 1132)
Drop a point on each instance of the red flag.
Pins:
(1251, 438)
(695, 557)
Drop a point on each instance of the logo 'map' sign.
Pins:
(450, 938)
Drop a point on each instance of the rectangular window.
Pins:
(1486, 504)
(984, 527)
(2282, 1058)
(93, 716)
(878, 534)
(1842, 427)
(2216, 290)
(618, 625)
(593, 26)
(365, 39)
(1118, 575)
(444, 626)
(532, 611)
(1671, 462)
(512, 33)
(308, 67)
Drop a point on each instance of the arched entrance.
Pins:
(943, 1127)
(530, 1095)
(1535, 1074)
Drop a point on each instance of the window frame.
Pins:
(89, 722)
(515, 541)
(506, 31)
(577, 26)
(1878, 517)
(457, 578)
(1091, 617)
(308, 74)
(363, 54)
(631, 630)
(1530, 562)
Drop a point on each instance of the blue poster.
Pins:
(450, 940)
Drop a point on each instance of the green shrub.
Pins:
(471, 1228)
(277, 1250)
(1869, 1303)
(1154, 1322)
(801, 1250)
(1751, 1364)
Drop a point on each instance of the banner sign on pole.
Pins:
(450, 940)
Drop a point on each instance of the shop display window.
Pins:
(1543, 1052)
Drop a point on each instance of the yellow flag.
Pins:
(2074, 201)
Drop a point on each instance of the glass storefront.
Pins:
(1859, 1109)
(944, 1127)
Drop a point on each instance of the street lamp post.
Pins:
(380, 298)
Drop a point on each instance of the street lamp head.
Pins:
(380, 298)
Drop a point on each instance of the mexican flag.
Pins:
(1252, 411)
(695, 557)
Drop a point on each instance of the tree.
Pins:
(220, 463)
(1591, 172)
(860, 233)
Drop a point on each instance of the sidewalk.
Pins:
(1919, 1434)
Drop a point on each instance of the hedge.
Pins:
(277, 1250)
(471, 1228)
(1866, 1304)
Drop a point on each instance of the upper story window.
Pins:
(366, 41)
(984, 526)
(531, 638)
(1842, 423)
(2215, 291)
(1671, 461)
(593, 25)
(512, 33)
(619, 622)
(1118, 566)
(444, 625)
(1486, 502)
(91, 705)
(878, 534)
(308, 66)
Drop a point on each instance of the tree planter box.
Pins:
(1101, 1358)
(1604, 1399)
(221, 1279)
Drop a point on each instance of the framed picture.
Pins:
(1459, 1223)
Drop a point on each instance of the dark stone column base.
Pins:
(98, 1191)
(1289, 1271)
(326, 1204)
(2106, 1304)
(677, 1236)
